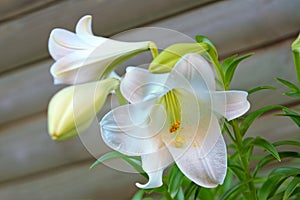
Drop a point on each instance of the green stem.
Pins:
(120, 97)
(296, 57)
(154, 50)
(243, 158)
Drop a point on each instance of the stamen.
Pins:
(174, 127)
(173, 109)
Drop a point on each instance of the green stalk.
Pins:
(120, 97)
(296, 57)
(243, 159)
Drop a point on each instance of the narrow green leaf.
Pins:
(226, 63)
(134, 161)
(293, 115)
(236, 169)
(267, 146)
(190, 190)
(204, 39)
(269, 158)
(269, 187)
(180, 195)
(238, 188)
(295, 94)
(138, 195)
(275, 179)
(175, 180)
(253, 116)
(256, 89)
(288, 84)
(287, 142)
(285, 171)
(204, 193)
(232, 67)
(295, 183)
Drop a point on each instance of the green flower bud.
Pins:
(72, 110)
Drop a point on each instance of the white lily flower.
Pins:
(174, 117)
(90, 56)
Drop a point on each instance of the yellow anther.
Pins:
(179, 141)
(174, 127)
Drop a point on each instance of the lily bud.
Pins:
(72, 110)
(167, 59)
(93, 57)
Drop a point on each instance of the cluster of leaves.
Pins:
(242, 182)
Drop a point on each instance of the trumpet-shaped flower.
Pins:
(174, 117)
(73, 108)
(90, 56)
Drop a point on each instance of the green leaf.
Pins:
(204, 193)
(227, 62)
(269, 187)
(238, 188)
(175, 180)
(295, 183)
(138, 195)
(212, 55)
(295, 94)
(287, 142)
(267, 146)
(285, 171)
(269, 158)
(275, 179)
(232, 67)
(180, 195)
(134, 161)
(236, 169)
(190, 190)
(288, 84)
(253, 116)
(293, 115)
(256, 89)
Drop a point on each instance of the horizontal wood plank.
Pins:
(14, 8)
(74, 182)
(25, 39)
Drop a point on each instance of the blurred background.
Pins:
(32, 166)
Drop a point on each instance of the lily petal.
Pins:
(230, 104)
(139, 84)
(62, 42)
(197, 71)
(84, 31)
(134, 129)
(205, 161)
(154, 165)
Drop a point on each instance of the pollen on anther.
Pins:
(174, 127)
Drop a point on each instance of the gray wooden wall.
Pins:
(35, 167)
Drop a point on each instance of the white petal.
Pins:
(230, 104)
(197, 71)
(84, 31)
(84, 26)
(154, 165)
(62, 42)
(139, 84)
(134, 129)
(205, 161)
(78, 67)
